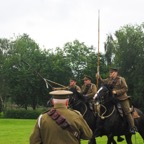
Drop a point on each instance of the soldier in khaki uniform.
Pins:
(120, 90)
(73, 86)
(88, 90)
(47, 131)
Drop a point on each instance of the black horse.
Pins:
(77, 102)
(109, 119)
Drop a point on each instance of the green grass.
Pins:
(14, 131)
(17, 131)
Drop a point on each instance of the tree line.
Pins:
(22, 60)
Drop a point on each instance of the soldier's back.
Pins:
(52, 133)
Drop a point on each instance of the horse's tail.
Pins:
(141, 129)
(139, 122)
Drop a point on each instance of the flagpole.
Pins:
(98, 55)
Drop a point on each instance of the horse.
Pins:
(77, 102)
(109, 119)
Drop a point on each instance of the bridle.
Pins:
(75, 102)
(100, 103)
(103, 116)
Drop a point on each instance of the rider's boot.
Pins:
(132, 126)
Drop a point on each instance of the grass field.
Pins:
(17, 131)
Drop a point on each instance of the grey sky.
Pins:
(52, 23)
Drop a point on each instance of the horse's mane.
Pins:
(108, 86)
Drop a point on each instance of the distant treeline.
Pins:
(22, 59)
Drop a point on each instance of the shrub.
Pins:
(22, 114)
(1, 115)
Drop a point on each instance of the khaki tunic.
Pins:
(120, 86)
(46, 130)
(121, 89)
(91, 91)
(76, 87)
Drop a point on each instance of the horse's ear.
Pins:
(105, 85)
(109, 86)
(102, 85)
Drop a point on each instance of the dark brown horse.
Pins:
(109, 119)
(77, 102)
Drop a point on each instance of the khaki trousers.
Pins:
(126, 108)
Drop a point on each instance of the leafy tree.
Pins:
(77, 55)
(128, 54)
(23, 83)
(59, 69)
(109, 50)
(4, 48)
(1, 105)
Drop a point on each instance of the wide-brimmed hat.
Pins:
(61, 94)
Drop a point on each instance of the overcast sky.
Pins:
(52, 23)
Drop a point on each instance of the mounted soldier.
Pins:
(119, 91)
(88, 90)
(74, 87)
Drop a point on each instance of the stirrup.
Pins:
(133, 130)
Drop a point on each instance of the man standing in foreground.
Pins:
(59, 124)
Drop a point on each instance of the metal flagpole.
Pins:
(98, 55)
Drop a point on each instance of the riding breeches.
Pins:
(126, 108)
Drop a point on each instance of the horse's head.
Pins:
(72, 100)
(75, 99)
(103, 101)
(104, 94)
(77, 102)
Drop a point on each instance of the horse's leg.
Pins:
(110, 139)
(113, 141)
(119, 139)
(140, 123)
(96, 133)
(92, 141)
(128, 138)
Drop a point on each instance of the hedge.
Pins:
(22, 114)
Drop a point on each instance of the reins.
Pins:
(78, 102)
(102, 115)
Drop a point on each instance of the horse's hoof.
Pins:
(120, 139)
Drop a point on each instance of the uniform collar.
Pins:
(60, 105)
(72, 86)
(113, 78)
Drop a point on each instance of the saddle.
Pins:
(132, 110)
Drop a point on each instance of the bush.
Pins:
(22, 114)
(1, 115)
